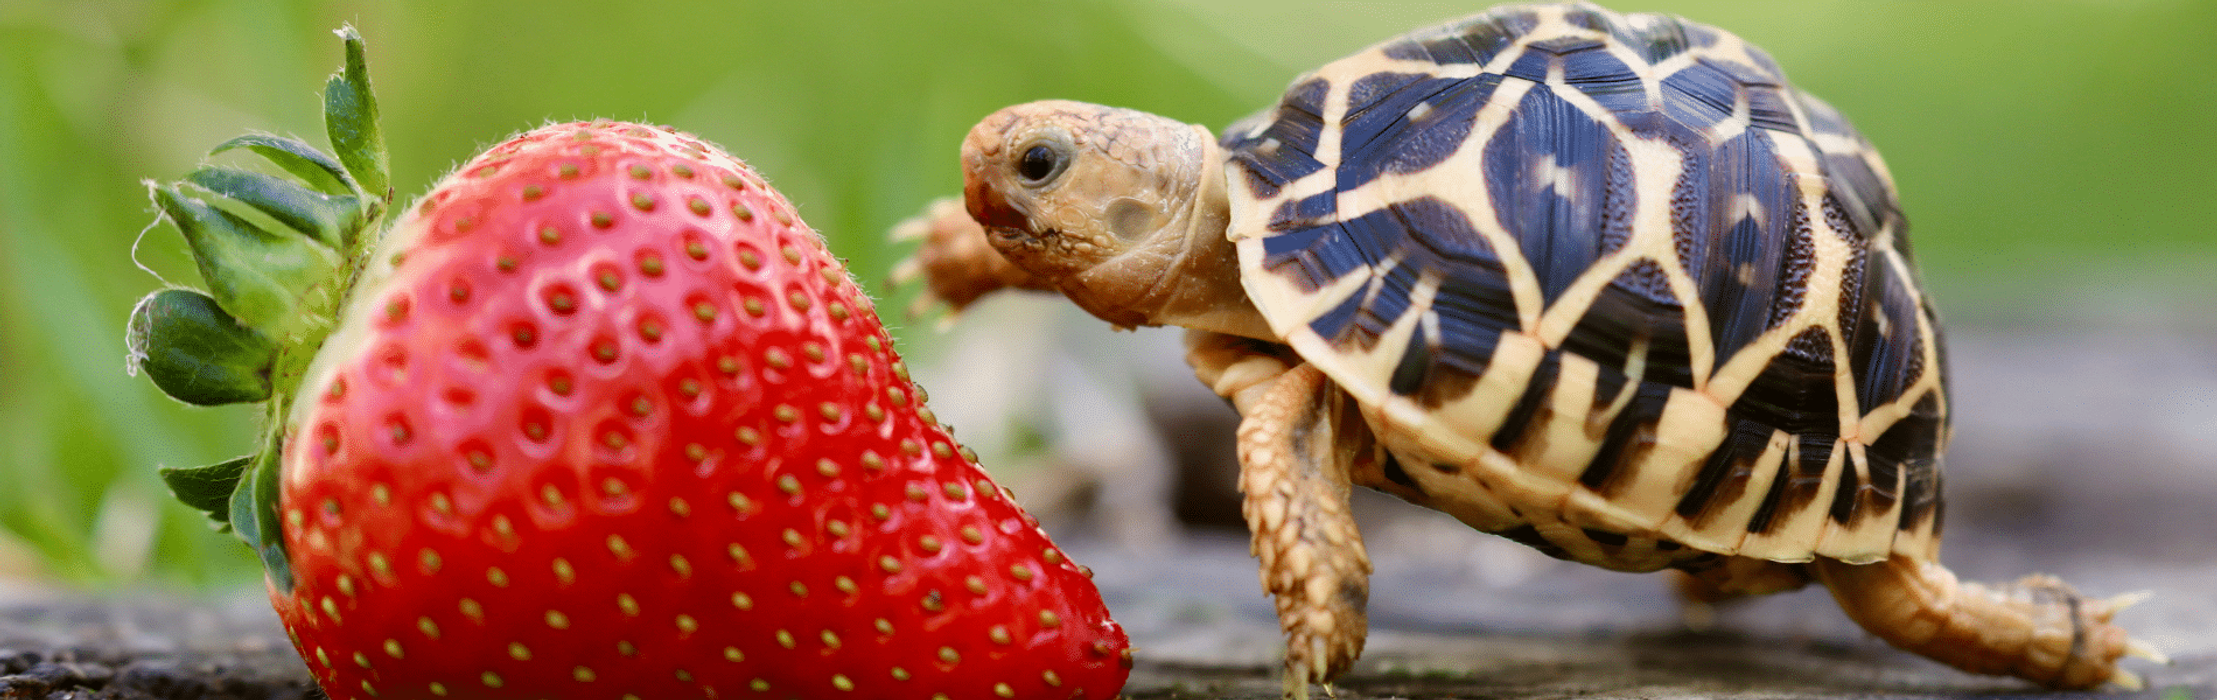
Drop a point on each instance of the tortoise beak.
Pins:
(981, 152)
(985, 172)
(991, 209)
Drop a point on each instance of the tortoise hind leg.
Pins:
(1299, 439)
(2037, 628)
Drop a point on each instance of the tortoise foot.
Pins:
(955, 262)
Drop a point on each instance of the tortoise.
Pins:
(1603, 284)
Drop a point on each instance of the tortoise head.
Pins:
(1122, 210)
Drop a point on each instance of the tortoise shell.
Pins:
(1605, 284)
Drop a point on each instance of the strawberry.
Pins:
(598, 417)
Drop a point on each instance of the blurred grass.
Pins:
(2034, 141)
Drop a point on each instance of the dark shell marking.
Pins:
(1635, 296)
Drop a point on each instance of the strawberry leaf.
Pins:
(318, 169)
(208, 487)
(350, 117)
(331, 219)
(196, 353)
(254, 514)
(260, 277)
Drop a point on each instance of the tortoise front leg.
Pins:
(955, 261)
(2038, 628)
(1298, 441)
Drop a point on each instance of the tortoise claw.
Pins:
(1299, 676)
(906, 271)
(2126, 600)
(2134, 647)
(2143, 650)
(2127, 680)
(1297, 682)
(918, 227)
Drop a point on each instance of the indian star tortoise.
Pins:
(1603, 284)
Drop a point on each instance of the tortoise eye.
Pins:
(1039, 164)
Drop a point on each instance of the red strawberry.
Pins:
(600, 418)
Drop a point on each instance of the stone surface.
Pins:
(149, 646)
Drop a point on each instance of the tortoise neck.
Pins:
(1199, 285)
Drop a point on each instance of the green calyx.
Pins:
(278, 255)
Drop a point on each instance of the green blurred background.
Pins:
(2045, 148)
